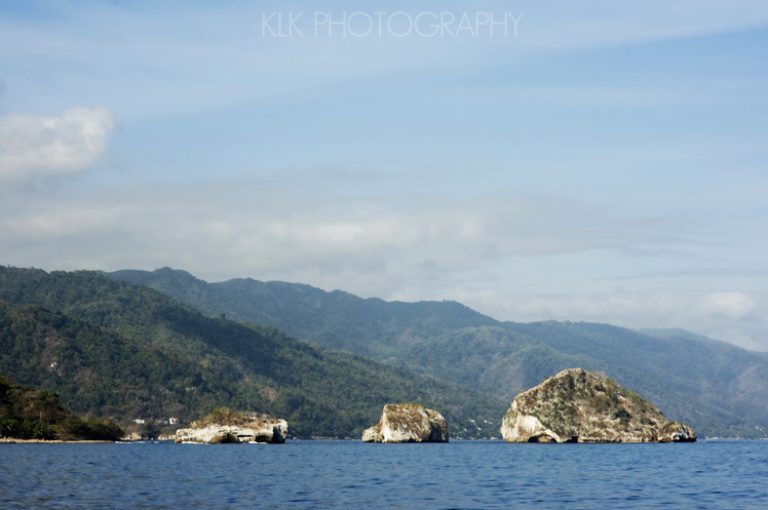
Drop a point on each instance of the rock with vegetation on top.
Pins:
(227, 426)
(580, 406)
(35, 414)
(408, 423)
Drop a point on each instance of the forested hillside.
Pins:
(132, 352)
(32, 413)
(371, 327)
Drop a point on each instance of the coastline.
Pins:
(11, 440)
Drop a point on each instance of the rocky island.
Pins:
(408, 423)
(580, 406)
(227, 426)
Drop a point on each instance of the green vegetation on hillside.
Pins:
(130, 352)
(228, 416)
(28, 413)
(339, 320)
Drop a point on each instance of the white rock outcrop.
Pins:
(239, 428)
(408, 423)
(587, 407)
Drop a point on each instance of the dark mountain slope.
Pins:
(132, 350)
(370, 327)
(97, 370)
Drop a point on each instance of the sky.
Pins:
(534, 160)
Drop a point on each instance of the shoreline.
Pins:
(11, 440)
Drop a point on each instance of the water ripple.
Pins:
(349, 474)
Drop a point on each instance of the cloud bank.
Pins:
(730, 304)
(32, 145)
(525, 258)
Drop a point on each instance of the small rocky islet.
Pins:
(227, 426)
(408, 423)
(587, 407)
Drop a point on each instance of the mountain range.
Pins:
(129, 352)
(153, 345)
(716, 386)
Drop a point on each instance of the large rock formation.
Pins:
(227, 426)
(580, 406)
(408, 423)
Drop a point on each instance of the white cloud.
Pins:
(61, 224)
(31, 145)
(731, 304)
(241, 230)
(659, 308)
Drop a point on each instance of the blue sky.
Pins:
(605, 163)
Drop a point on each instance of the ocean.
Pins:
(352, 475)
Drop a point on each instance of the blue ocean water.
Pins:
(351, 474)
